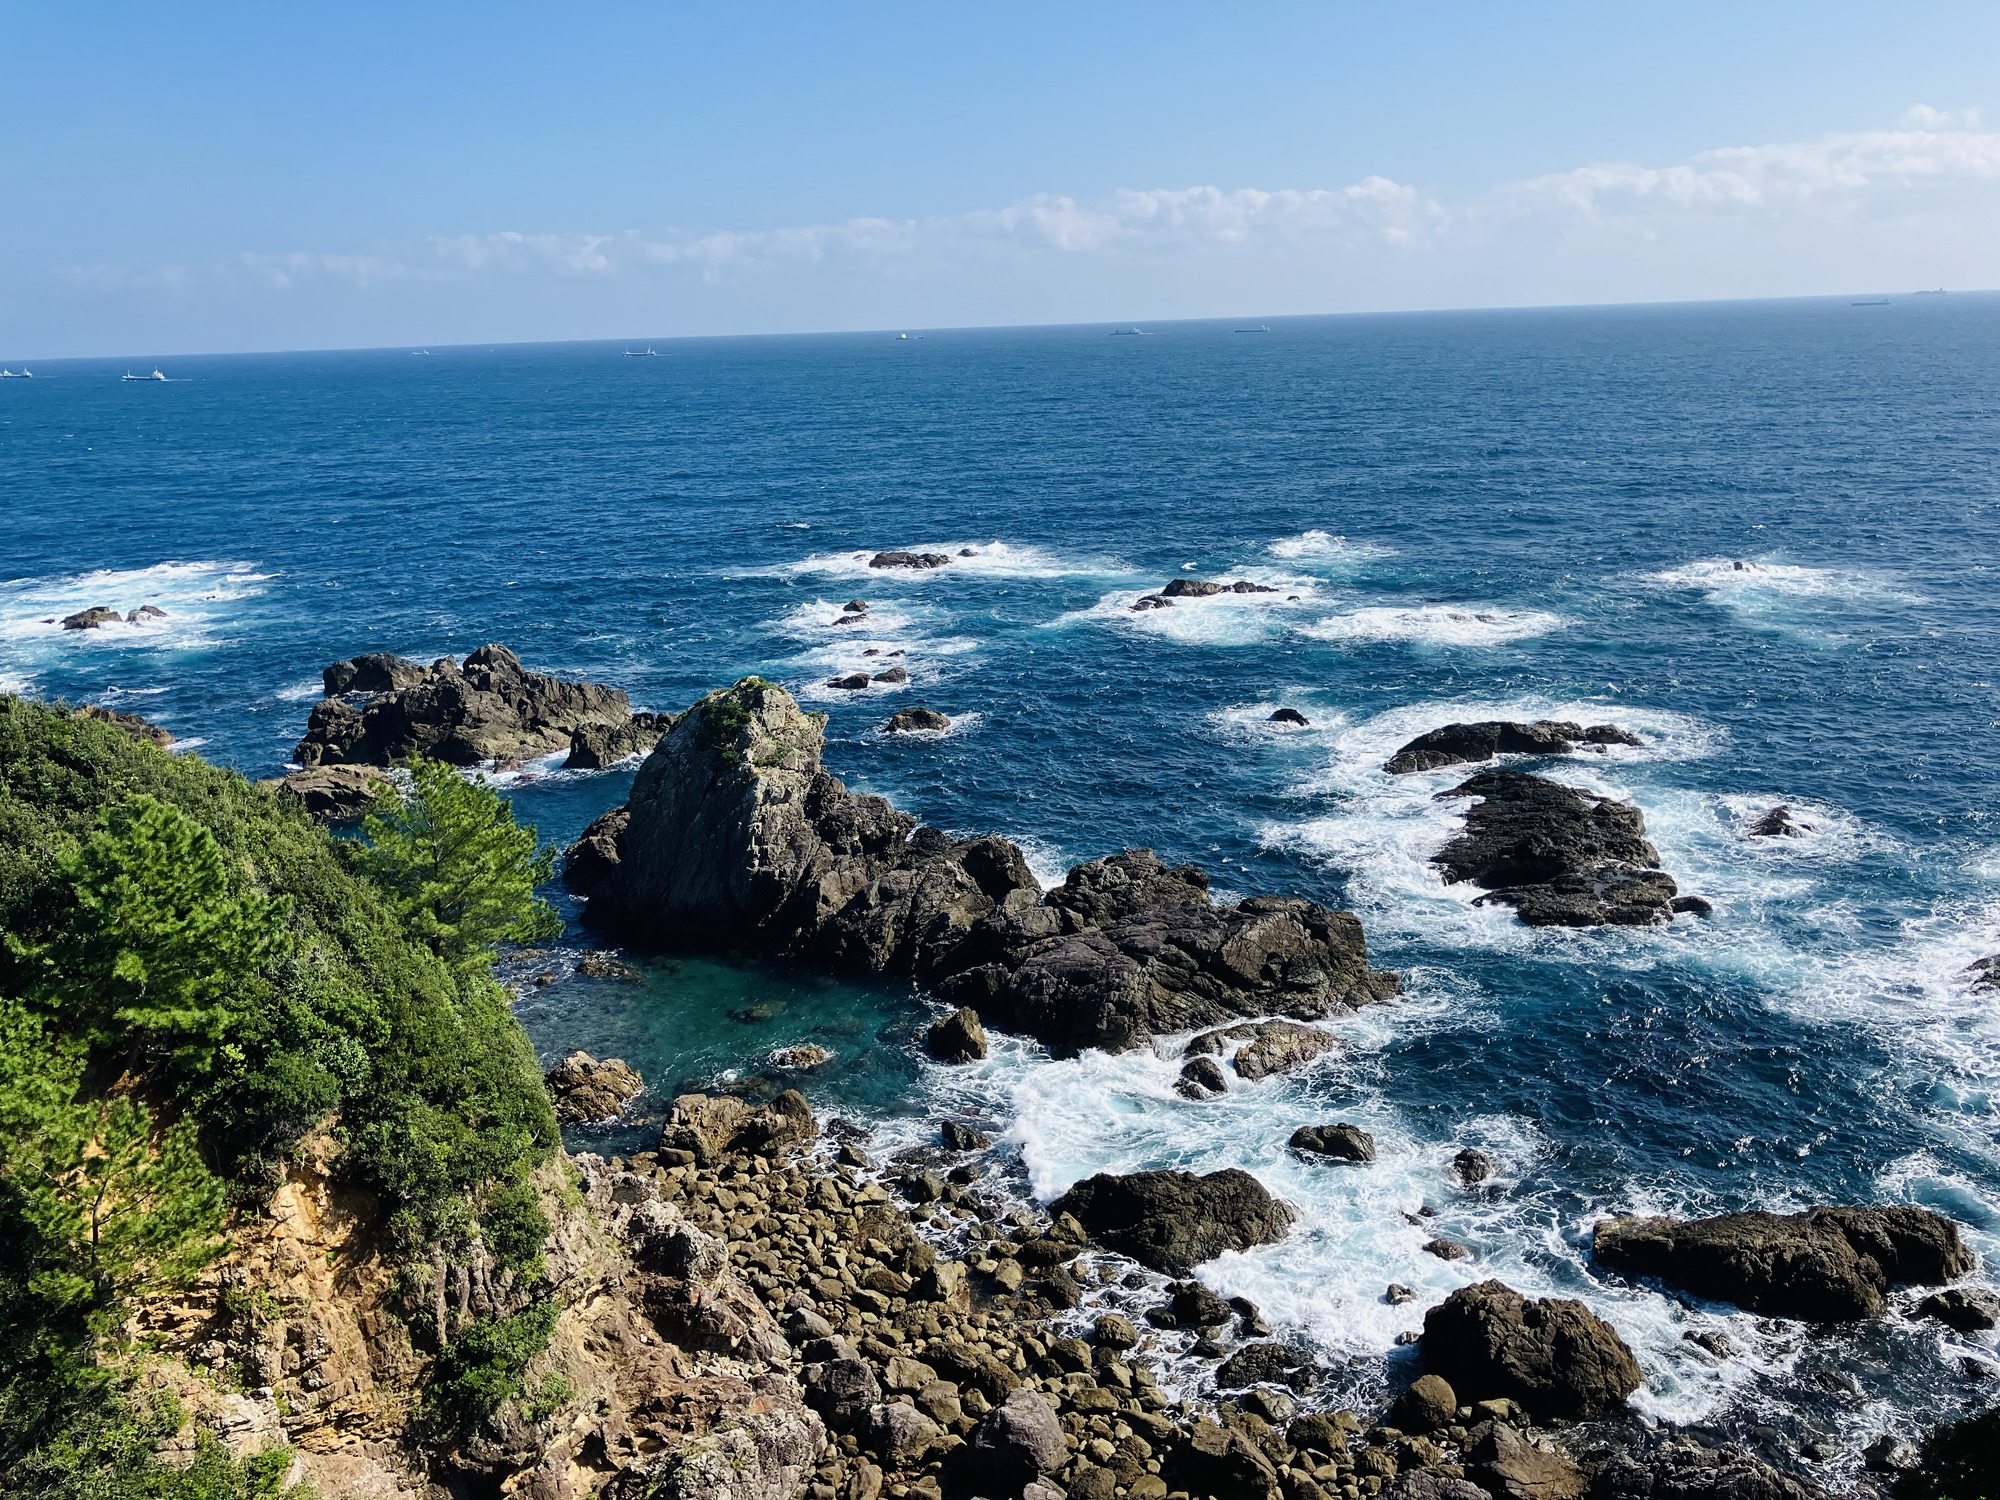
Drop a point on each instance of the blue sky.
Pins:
(226, 177)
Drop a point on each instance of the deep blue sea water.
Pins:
(1465, 515)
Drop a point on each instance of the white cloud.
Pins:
(1913, 206)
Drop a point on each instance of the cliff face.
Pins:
(659, 1359)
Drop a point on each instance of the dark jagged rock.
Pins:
(1472, 1166)
(916, 721)
(139, 728)
(1464, 744)
(1560, 857)
(1508, 1467)
(961, 1137)
(853, 682)
(958, 1038)
(1956, 1462)
(1202, 588)
(90, 619)
(1339, 1142)
(1430, 1403)
(892, 674)
(706, 1127)
(375, 672)
(1020, 1439)
(735, 834)
(1268, 1047)
(1201, 1078)
(1445, 1249)
(588, 1092)
(1826, 1264)
(491, 709)
(1290, 716)
(1779, 823)
(1552, 1355)
(594, 746)
(1264, 1364)
(1985, 972)
(918, 560)
(592, 861)
(1151, 601)
(144, 612)
(1682, 1469)
(1967, 1309)
(1173, 1221)
(334, 794)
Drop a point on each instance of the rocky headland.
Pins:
(488, 710)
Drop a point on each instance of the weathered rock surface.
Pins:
(1551, 1355)
(706, 1127)
(333, 794)
(588, 1092)
(1266, 1048)
(1267, 1363)
(1340, 1142)
(90, 619)
(596, 745)
(375, 672)
(1779, 823)
(1968, 1309)
(916, 560)
(1429, 1403)
(1826, 1264)
(1462, 744)
(735, 834)
(1560, 857)
(491, 709)
(1173, 1221)
(1508, 1467)
(139, 728)
(916, 721)
(958, 1038)
(1472, 1166)
(1682, 1469)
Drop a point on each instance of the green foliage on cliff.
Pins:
(195, 977)
(484, 1368)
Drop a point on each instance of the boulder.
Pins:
(1472, 1165)
(1559, 856)
(144, 612)
(1508, 1467)
(1266, 1048)
(1428, 1484)
(132, 724)
(916, 721)
(1967, 1309)
(1221, 1461)
(1019, 1440)
(1264, 1364)
(594, 746)
(958, 1038)
(1426, 1406)
(491, 709)
(1445, 1249)
(1173, 1221)
(1191, 588)
(917, 560)
(1826, 1264)
(709, 1126)
(1150, 601)
(588, 1092)
(375, 672)
(853, 682)
(800, 1059)
(891, 674)
(1201, 1078)
(842, 1390)
(1290, 716)
(1682, 1469)
(1462, 744)
(1551, 1355)
(1779, 823)
(338, 795)
(1339, 1142)
(961, 1137)
(899, 1434)
(90, 619)
(1114, 1332)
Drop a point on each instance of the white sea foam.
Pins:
(300, 692)
(990, 559)
(1227, 619)
(961, 725)
(200, 598)
(1251, 722)
(1787, 597)
(1468, 625)
(1323, 547)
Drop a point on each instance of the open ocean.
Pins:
(1516, 514)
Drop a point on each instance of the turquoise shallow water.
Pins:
(1470, 515)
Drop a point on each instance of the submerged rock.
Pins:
(917, 560)
(90, 619)
(1559, 856)
(735, 834)
(1290, 716)
(1552, 1355)
(491, 709)
(1779, 823)
(1173, 1221)
(1462, 744)
(588, 1092)
(1826, 1264)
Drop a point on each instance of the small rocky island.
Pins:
(1463, 744)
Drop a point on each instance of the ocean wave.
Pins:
(1789, 598)
(1436, 625)
(198, 597)
(1321, 546)
(993, 559)
(1227, 619)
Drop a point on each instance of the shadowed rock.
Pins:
(1463, 744)
(1826, 1264)
(1173, 1221)
(1267, 1048)
(139, 728)
(1552, 1355)
(334, 794)
(915, 560)
(958, 1038)
(90, 619)
(1339, 1142)
(1682, 1469)
(1559, 856)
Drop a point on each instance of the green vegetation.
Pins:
(484, 1367)
(194, 978)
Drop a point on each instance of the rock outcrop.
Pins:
(1826, 1264)
(139, 728)
(1551, 1355)
(735, 834)
(491, 709)
(1779, 823)
(90, 619)
(1559, 856)
(1197, 588)
(1682, 1469)
(1173, 1221)
(701, 1129)
(1968, 1309)
(1266, 1048)
(1339, 1142)
(1464, 744)
(918, 561)
(916, 721)
(588, 1092)
(595, 745)
(337, 795)
(958, 1038)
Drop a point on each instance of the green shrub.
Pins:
(483, 1368)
